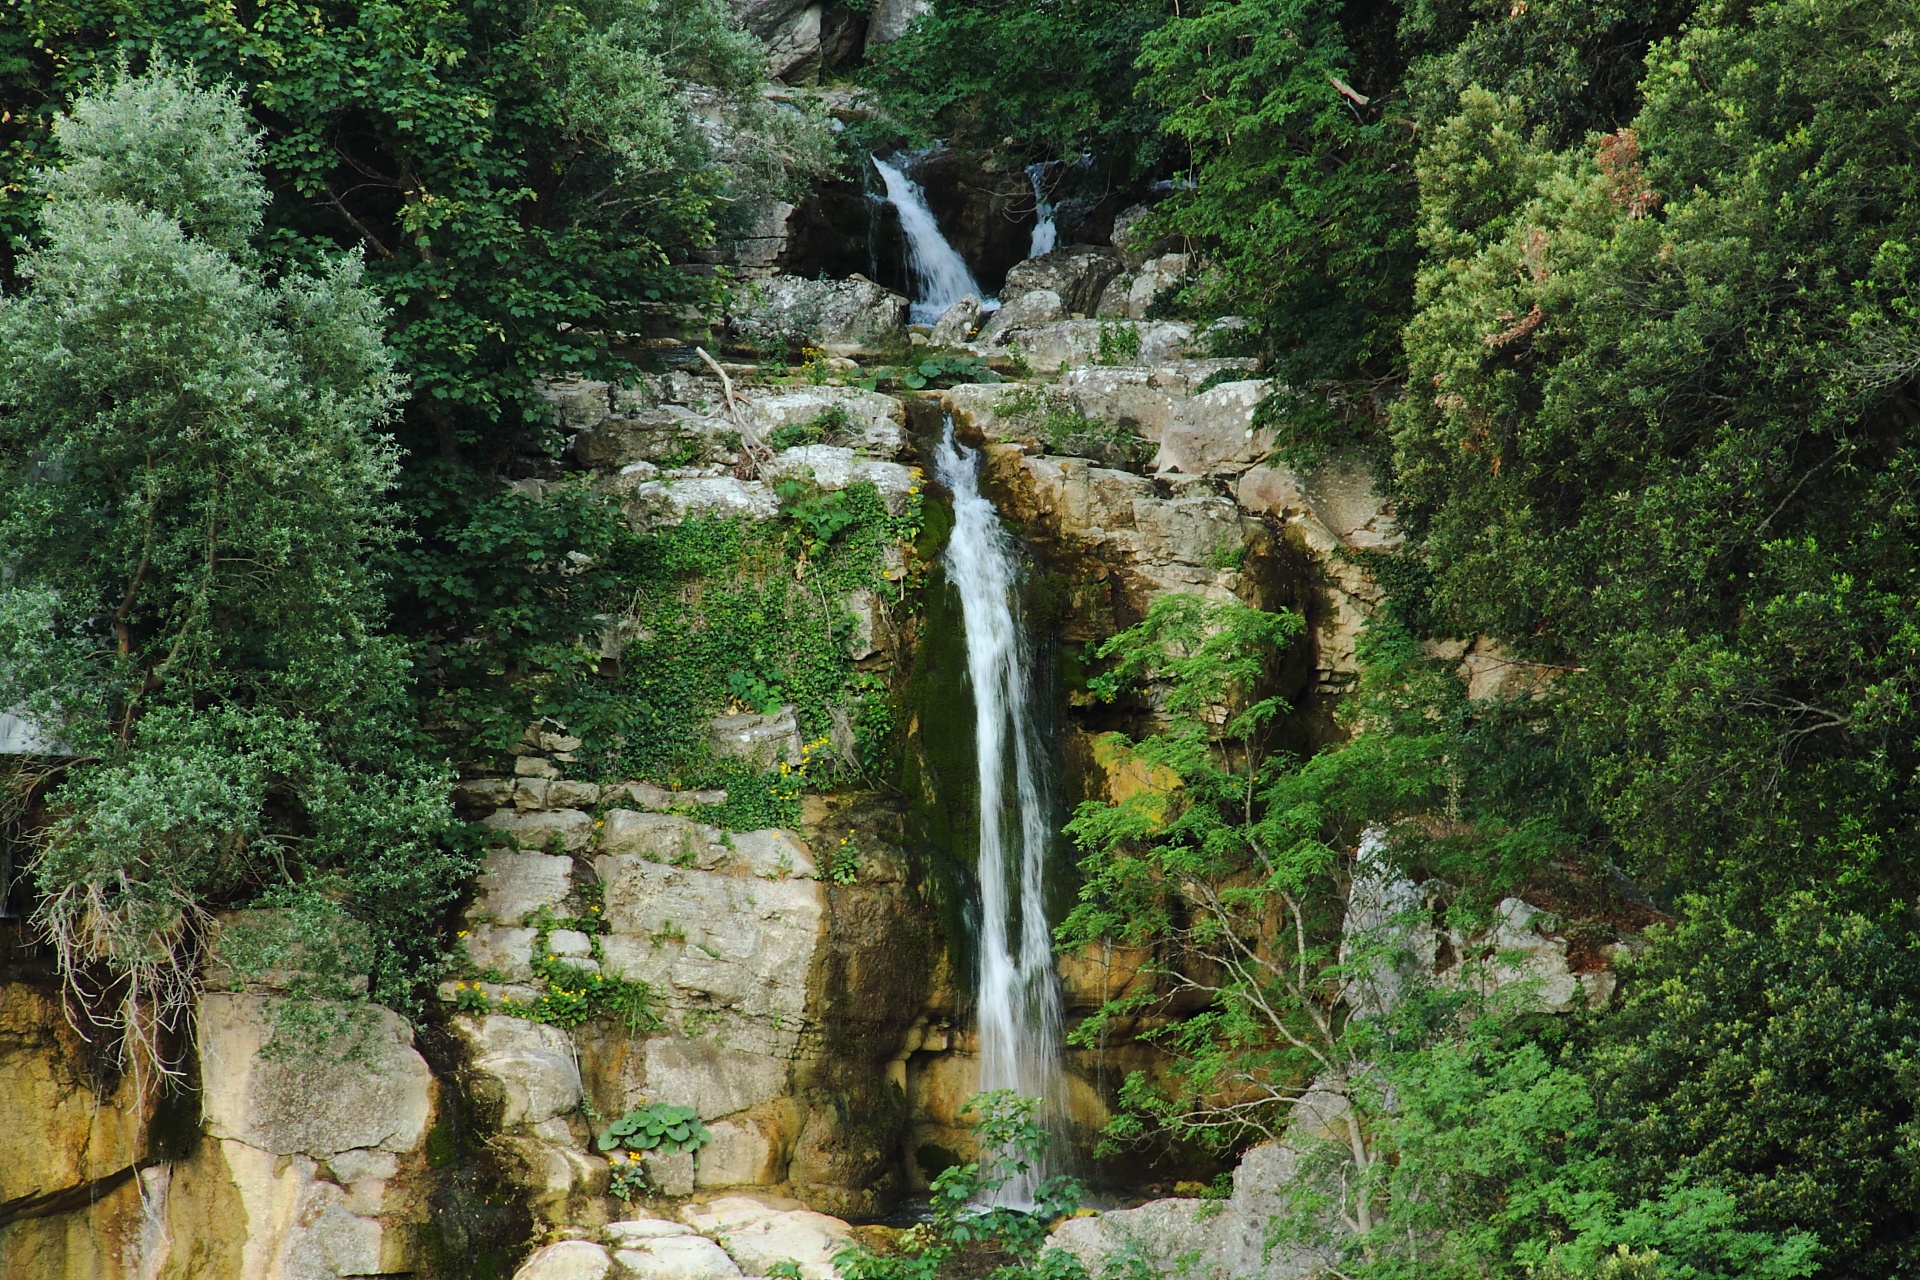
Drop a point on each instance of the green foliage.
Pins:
(1776, 1065)
(822, 515)
(1056, 78)
(1119, 344)
(193, 490)
(1574, 64)
(963, 1233)
(1655, 443)
(502, 586)
(719, 610)
(571, 994)
(657, 1126)
(519, 175)
(1231, 880)
(1301, 193)
(945, 370)
(843, 862)
(830, 422)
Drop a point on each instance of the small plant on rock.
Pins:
(1119, 343)
(967, 1238)
(657, 1126)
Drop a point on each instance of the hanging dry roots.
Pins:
(127, 956)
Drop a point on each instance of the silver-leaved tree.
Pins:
(192, 480)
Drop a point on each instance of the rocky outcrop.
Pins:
(288, 1165)
(848, 317)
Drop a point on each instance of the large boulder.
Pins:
(888, 20)
(1025, 309)
(957, 323)
(567, 1260)
(1133, 295)
(1201, 1239)
(669, 437)
(1215, 431)
(873, 423)
(1076, 274)
(528, 1068)
(844, 317)
(767, 741)
(1048, 346)
(799, 1236)
(687, 1257)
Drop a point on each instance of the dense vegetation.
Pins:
(1614, 298)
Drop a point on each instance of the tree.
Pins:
(192, 488)
(1056, 79)
(1660, 439)
(525, 178)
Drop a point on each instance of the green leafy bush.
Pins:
(967, 1238)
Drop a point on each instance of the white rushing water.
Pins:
(940, 274)
(1045, 234)
(1020, 1003)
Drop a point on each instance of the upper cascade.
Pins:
(1045, 234)
(940, 275)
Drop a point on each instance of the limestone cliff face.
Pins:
(819, 1023)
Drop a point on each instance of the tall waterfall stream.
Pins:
(1020, 1000)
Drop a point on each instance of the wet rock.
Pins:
(528, 1067)
(846, 317)
(957, 323)
(765, 740)
(567, 1260)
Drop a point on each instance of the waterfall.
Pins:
(1045, 234)
(940, 275)
(1020, 1003)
